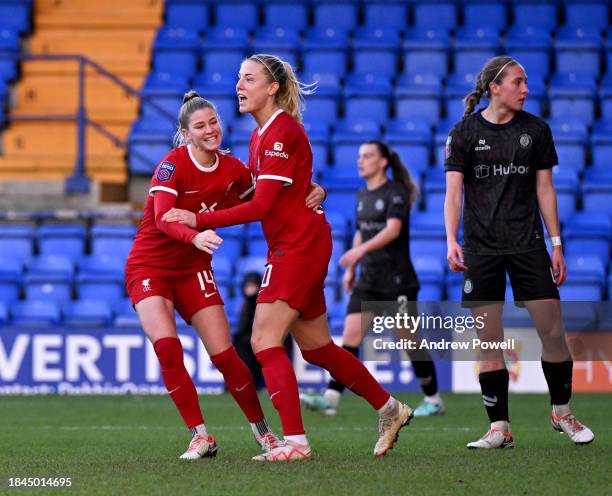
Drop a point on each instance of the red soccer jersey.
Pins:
(198, 189)
(280, 151)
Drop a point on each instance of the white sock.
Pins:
(298, 439)
(561, 410)
(434, 399)
(333, 397)
(387, 406)
(501, 425)
(199, 429)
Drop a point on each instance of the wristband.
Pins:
(555, 240)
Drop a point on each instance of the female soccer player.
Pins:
(502, 159)
(291, 298)
(169, 267)
(381, 245)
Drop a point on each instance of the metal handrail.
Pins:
(78, 182)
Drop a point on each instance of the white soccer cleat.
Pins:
(200, 447)
(269, 441)
(286, 451)
(389, 425)
(494, 438)
(570, 425)
(318, 403)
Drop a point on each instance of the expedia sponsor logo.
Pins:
(273, 153)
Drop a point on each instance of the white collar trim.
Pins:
(210, 168)
(270, 120)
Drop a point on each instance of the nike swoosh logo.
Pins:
(241, 388)
(176, 388)
(208, 295)
(274, 394)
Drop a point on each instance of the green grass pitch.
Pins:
(129, 445)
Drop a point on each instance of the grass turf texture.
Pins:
(130, 445)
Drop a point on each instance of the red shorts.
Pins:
(300, 284)
(189, 293)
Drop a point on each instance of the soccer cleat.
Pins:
(269, 441)
(494, 438)
(286, 451)
(570, 425)
(389, 425)
(200, 447)
(426, 409)
(318, 403)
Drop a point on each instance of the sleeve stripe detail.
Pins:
(278, 178)
(163, 188)
(247, 192)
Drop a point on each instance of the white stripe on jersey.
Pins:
(163, 188)
(278, 178)
(201, 281)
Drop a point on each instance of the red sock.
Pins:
(177, 381)
(239, 382)
(282, 388)
(349, 371)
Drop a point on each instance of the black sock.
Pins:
(335, 385)
(425, 371)
(494, 387)
(559, 379)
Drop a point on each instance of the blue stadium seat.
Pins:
(586, 269)
(8, 67)
(49, 278)
(349, 135)
(481, 12)
(435, 13)
(16, 15)
(589, 13)
(325, 51)
(541, 13)
(567, 186)
(62, 239)
(386, 14)
(146, 147)
(88, 313)
(335, 14)
(597, 188)
(237, 13)
(323, 103)
(375, 50)
(281, 41)
(428, 247)
(590, 231)
(232, 242)
(222, 267)
(4, 313)
(125, 315)
(165, 90)
(367, 95)
(175, 50)
(220, 88)
(112, 239)
(572, 96)
(441, 135)
(256, 245)
(427, 226)
(411, 139)
(249, 264)
(223, 60)
(459, 85)
(532, 46)
(227, 37)
(418, 97)
(339, 223)
(17, 240)
(35, 314)
(101, 276)
(11, 273)
(578, 50)
(608, 50)
(570, 138)
(9, 40)
(605, 93)
(425, 51)
(281, 13)
(601, 141)
(473, 47)
(190, 15)
(429, 268)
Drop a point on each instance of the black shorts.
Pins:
(406, 299)
(530, 273)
